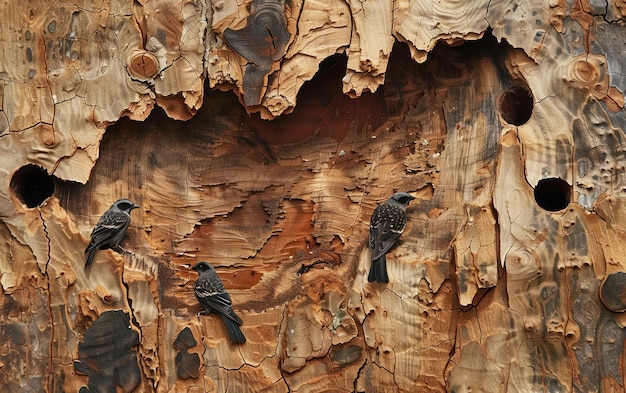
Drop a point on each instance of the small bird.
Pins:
(386, 225)
(213, 297)
(110, 229)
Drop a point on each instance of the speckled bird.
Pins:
(110, 229)
(386, 225)
(213, 297)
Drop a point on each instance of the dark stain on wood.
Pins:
(187, 364)
(13, 354)
(346, 355)
(107, 355)
(613, 292)
(261, 42)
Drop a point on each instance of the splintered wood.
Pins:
(505, 121)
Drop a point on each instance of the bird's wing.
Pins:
(386, 225)
(111, 223)
(215, 300)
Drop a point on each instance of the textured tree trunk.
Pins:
(260, 136)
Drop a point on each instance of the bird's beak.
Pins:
(134, 206)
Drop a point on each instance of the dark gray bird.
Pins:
(110, 229)
(213, 297)
(386, 225)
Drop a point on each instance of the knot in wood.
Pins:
(588, 70)
(144, 65)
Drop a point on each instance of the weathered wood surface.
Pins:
(489, 291)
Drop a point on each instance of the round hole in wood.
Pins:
(553, 194)
(516, 105)
(32, 185)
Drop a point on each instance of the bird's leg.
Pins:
(120, 250)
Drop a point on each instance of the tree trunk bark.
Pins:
(260, 137)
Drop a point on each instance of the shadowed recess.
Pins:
(516, 105)
(323, 110)
(32, 185)
(553, 194)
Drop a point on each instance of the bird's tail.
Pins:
(91, 253)
(378, 271)
(236, 336)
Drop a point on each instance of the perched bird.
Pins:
(213, 298)
(110, 229)
(386, 225)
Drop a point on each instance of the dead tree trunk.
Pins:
(260, 136)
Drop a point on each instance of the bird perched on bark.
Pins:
(110, 229)
(386, 225)
(213, 297)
